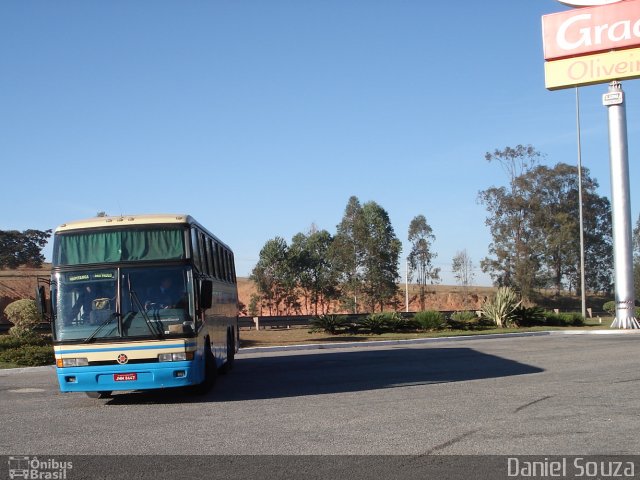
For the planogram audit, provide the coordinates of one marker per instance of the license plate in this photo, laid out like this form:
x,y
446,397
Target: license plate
x,y
125,377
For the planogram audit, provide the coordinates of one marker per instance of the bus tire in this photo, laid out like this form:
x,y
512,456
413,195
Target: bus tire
x,y
231,353
210,372
103,394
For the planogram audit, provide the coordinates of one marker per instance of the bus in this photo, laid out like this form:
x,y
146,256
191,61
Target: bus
x,y
141,302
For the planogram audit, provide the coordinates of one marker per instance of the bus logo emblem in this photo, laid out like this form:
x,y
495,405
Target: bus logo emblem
x,y
122,359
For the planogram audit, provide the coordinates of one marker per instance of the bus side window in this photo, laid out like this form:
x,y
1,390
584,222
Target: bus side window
x,y
216,261
203,253
222,266
233,269
210,259
195,249
226,263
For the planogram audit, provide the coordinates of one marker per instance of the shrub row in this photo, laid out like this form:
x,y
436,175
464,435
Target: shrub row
x,y
535,316
431,320
28,355
27,351
377,323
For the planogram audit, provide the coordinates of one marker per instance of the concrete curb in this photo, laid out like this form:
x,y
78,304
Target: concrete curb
x,y
383,343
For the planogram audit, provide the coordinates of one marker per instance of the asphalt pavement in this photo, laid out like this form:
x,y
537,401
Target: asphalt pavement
x,y
541,395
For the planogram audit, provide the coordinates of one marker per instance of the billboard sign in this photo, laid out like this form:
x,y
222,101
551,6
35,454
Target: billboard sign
x,y
587,3
592,69
590,30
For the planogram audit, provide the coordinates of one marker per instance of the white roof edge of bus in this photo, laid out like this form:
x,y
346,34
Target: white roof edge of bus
x,y
120,220
143,219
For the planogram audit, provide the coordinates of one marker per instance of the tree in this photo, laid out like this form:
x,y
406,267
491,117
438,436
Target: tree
x,y
22,248
513,246
273,278
556,219
313,270
420,257
381,253
462,268
535,229
359,264
347,253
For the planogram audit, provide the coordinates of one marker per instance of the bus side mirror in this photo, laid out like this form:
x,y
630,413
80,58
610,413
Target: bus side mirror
x,y
206,294
41,301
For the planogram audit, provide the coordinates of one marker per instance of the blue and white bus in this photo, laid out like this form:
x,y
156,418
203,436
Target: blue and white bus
x,y
141,302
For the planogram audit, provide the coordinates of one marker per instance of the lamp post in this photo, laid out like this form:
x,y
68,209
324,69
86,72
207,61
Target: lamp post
x,y
583,291
406,286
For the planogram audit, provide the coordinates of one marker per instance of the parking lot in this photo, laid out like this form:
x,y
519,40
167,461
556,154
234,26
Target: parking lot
x,y
542,395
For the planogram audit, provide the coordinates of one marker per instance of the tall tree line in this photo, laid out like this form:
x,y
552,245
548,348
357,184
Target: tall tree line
x,y
357,267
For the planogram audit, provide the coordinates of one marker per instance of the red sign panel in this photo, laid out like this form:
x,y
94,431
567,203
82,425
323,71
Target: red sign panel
x,y
592,29
125,377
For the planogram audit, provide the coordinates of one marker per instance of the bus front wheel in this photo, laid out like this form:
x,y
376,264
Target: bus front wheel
x,y
210,372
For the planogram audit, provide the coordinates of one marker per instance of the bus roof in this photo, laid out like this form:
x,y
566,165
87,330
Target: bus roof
x,y
133,220
128,220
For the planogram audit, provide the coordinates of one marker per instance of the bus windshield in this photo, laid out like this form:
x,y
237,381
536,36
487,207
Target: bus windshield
x,y
118,303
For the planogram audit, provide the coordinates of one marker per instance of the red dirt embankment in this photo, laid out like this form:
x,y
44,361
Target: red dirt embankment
x,y
438,297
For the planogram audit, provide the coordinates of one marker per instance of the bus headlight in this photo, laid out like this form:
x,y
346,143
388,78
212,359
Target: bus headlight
x,y
175,357
72,362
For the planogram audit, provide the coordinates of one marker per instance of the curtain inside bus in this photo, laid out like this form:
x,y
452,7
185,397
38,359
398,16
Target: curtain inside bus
x,y
118,246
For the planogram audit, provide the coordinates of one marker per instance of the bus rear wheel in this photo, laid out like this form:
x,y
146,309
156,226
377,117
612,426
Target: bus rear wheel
x,y
231,353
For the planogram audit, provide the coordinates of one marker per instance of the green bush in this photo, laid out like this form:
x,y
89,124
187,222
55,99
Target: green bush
x,y
397,323
500,309
430,320
9,341
610,307
24,316
28,355
529,316
375,323
563,319
331,324
463,321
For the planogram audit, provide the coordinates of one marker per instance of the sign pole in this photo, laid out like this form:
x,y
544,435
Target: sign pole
x,y
583,291
621,208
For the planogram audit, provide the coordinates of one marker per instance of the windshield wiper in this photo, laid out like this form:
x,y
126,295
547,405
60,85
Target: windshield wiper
x,y
156,329
103,324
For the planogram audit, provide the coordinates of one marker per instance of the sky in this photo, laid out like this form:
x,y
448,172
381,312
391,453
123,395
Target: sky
x,y
262,117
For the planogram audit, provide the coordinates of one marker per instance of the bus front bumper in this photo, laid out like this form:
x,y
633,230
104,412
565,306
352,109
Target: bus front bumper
x,y
141,376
